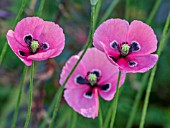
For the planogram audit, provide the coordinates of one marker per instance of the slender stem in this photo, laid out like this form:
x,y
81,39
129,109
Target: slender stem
x,y
74,120
97,10
41,8
109,11
4,49
108,117
63,86
146,101
100,118
145,76
19,97
50,110
115,101
127,9
137,100
153,12
30,96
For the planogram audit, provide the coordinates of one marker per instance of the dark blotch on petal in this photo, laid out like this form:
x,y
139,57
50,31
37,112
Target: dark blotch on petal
x,y
114,45
105,87
88,94
22,53
134,47
81,80
28,39
44,46
97,73
114,59
132,63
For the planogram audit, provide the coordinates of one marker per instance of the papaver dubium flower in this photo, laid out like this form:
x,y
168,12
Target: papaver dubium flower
x,y
128,46
94,75
36,39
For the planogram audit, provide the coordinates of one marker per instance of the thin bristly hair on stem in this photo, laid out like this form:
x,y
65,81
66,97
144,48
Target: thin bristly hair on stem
x,y
4,49
30,96
145,76
148,91
60,91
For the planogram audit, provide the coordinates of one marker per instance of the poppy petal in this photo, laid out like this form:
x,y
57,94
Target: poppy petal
x,y
144,35
111,33
28,26
18,49
76,98
138,63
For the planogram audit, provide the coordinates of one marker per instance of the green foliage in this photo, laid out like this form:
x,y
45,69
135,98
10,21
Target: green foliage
x,y
74,17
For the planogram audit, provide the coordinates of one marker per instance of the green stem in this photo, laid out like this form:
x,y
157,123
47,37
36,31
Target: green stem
x,y
19,97
74,120
98,6
145,76
146,101
4,49
50,110
153,12
41,8
100,118
109,11
127,9
30,96
63,86
115,101
137,100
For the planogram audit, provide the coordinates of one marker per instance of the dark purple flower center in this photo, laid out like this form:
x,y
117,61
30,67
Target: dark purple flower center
x,y
92,79
33,45
125,49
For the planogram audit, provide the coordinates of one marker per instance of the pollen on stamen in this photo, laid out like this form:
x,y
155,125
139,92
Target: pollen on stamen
x,y
125,49
92,78
34,46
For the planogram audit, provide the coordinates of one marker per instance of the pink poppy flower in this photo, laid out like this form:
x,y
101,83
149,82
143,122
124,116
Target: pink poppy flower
x,y
35,39
94,75
127,46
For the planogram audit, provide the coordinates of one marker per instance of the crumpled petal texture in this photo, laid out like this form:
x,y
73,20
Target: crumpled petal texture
x,y
122,32
74,93
43,32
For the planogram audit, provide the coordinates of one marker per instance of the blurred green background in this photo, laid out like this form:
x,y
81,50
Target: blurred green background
x,y
74,17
